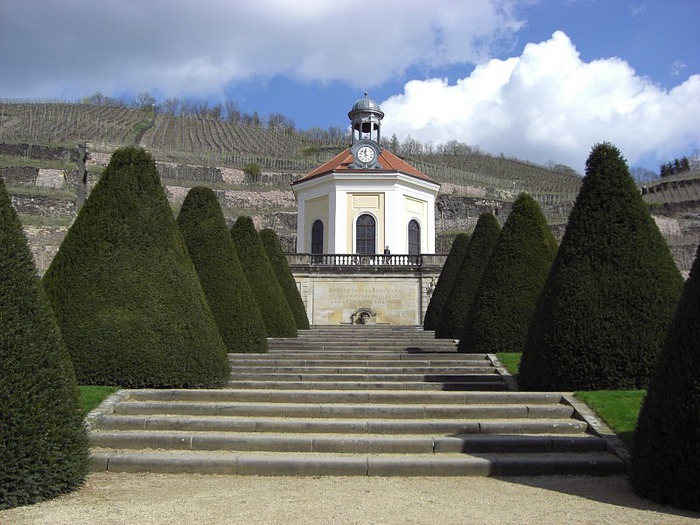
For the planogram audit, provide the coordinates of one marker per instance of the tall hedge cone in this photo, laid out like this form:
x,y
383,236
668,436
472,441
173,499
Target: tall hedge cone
x,y
277,315
466,283
513,279
442,290
229,295
125,292
608,300
666,450
43,442
273,249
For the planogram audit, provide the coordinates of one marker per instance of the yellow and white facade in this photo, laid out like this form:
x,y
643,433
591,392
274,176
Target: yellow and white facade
x,y
349,211
399,200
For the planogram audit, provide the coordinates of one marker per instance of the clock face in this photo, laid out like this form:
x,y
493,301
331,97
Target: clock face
x,y
365,154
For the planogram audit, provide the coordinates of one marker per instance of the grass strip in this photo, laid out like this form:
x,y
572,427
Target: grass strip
x,y
510,360
618,408
92,396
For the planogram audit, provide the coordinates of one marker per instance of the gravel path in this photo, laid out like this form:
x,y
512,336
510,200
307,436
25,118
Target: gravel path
x,y
191,499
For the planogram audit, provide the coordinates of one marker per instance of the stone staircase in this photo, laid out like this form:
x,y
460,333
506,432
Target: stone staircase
x,y
370,401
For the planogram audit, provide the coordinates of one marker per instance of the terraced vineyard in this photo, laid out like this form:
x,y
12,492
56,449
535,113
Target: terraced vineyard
x,y
62,122
39,162
215,142
212,141
549,187
675,189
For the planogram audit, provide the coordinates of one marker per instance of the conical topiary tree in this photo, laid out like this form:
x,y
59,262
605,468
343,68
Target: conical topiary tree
x,y
605,308
466,284
125,292
666,450
228,293
500,316
273,249
43,442
276,313
441,293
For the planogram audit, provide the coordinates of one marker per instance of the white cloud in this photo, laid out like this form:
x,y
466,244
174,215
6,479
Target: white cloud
x,y
179,47
549,105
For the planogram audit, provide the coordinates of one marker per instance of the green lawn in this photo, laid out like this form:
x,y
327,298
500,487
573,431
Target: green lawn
x,y
618,408
92,396
511,360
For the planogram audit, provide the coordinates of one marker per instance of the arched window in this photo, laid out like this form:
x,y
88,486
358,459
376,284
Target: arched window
x,y
317,237
365,235
413,238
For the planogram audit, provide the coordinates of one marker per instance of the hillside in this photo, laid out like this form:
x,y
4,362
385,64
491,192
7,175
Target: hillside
x,y
48,175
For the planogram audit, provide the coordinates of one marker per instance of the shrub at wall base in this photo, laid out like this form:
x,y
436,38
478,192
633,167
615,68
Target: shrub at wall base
x,y
280,265
230,298
442,290
125,292
513,279
466,284
43,442
276,313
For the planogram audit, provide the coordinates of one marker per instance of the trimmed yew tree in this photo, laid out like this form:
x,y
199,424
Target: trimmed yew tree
x,y
228,293
609,298
512,281
441,293
280,265
276,313
125,292
666,450
466,284
43,442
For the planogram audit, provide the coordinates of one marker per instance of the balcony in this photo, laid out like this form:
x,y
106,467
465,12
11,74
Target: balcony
x,y
370,260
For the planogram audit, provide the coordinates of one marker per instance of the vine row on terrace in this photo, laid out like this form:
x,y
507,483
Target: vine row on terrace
x,y
214,142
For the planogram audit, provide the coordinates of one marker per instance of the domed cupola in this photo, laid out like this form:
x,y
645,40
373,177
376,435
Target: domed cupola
x,y
365,117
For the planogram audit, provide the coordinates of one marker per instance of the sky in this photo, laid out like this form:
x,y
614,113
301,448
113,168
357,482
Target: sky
x,y
539,80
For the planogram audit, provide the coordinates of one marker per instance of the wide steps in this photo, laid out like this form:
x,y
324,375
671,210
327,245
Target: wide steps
x,y
346,444
364,370
405,465
384,378
398,356
345,396
369,385
264,361
369,401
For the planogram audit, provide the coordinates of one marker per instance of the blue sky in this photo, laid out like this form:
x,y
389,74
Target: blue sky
x,y
541,80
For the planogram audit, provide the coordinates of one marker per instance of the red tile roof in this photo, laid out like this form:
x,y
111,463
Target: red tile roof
x,y
341,164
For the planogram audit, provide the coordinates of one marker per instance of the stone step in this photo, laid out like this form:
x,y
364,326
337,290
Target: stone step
x,y
347,396
365,356
347,410
346,443
366,330
368,385
362,370
318,464
344,347
352,338
270,361
339,426
352,401
316,377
